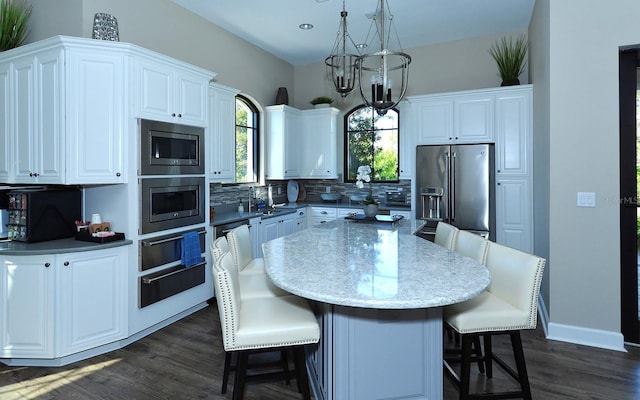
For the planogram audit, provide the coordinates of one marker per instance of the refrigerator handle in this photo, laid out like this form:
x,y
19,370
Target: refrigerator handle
x,y
452,188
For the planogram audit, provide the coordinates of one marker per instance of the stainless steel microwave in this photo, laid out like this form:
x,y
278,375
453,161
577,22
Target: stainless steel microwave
x,y
170,149
169,203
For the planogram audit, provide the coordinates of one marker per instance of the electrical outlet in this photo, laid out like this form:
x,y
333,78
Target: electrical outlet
x,y
586,199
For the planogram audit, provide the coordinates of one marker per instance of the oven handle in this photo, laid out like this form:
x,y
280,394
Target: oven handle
x,y
146,243
151,280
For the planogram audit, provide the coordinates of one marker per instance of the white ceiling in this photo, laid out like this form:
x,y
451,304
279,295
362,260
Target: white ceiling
x,y
273,25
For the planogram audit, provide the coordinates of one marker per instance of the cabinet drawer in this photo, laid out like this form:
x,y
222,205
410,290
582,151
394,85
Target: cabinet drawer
x,y
324,212
166,283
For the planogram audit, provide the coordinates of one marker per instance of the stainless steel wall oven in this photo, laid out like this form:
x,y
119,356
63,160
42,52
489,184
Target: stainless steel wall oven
x,y
170,149
171,202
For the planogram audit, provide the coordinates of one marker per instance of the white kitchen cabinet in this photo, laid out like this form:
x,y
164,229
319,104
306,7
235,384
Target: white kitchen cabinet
x,y
283,142
319,145
26,312
514,169
514,216
407,147
275,227
92,299
300,219
454,118
513,131
167,90
96,116
57,305
5,121
66,123
221,141
256,243
320,215
38,117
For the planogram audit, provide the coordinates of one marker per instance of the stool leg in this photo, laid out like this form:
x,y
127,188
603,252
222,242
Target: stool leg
x,y
465,367
241,375
284,359
301,372
488,355
225,373
518,353
477,351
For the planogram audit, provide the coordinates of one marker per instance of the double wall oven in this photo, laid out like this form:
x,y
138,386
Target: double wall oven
x,y
172,196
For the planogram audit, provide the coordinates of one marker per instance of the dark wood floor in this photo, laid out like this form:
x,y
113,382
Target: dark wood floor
x,y
184,361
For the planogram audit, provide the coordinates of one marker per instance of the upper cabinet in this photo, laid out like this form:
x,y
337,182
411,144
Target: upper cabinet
x,y
170,92
64,120
319,143
283,140
454,118
301,144
220,142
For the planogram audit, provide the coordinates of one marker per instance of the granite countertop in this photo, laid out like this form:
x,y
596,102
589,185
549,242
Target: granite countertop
x,y
69,245
226,217
372,265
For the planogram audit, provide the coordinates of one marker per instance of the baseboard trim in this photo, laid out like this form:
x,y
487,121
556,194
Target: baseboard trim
x,y
586,336
579,335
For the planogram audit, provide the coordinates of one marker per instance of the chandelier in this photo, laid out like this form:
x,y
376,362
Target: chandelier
x,y
341,65
383,74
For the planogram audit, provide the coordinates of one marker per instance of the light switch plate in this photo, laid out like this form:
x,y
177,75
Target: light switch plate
x,y
586,199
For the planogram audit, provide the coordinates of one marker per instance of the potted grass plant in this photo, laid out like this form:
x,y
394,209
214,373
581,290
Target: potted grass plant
x,y
321,101
14,15
510,57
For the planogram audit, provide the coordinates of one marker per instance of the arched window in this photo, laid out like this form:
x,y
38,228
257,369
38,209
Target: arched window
x,y
371,139
247,140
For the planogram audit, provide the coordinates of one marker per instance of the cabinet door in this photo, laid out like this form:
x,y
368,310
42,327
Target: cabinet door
x,y
292,145
191,98
96,117
154,93
269,229
256,243
222,161
407,147
319,143
5,123
473,118
92,299
27,307
38,119
301,219
513,130
514,216
288,225
434,121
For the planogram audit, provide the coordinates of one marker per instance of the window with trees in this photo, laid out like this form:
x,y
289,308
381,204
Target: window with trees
x,y
247,140
371,139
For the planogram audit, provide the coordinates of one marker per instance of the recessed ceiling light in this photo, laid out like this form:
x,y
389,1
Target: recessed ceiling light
x,y
305,27
361,45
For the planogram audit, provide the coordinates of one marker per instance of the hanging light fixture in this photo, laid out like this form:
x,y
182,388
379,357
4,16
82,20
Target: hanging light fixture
x,y
384,73
341,65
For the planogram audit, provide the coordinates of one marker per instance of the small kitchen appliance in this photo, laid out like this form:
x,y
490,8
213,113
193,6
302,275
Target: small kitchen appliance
x,y
43,214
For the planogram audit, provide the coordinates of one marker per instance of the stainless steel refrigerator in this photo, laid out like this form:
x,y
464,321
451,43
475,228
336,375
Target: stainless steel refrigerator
x,y
455,184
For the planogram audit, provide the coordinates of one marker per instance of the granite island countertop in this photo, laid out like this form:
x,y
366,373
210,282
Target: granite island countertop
x,y
372,265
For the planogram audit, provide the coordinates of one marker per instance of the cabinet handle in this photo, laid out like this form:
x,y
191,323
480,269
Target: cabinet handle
x,y
324,213
118,174
47,265
173,114
179,115
498,183
66,263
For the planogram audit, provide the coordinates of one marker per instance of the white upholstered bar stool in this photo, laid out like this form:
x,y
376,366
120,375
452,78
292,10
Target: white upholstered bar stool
x,y
254,282
263,324
471,245
445,235
239,239
509,305
251,286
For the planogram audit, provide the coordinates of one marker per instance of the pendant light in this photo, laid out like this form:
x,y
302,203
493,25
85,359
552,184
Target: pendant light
x,y
384,74
341,65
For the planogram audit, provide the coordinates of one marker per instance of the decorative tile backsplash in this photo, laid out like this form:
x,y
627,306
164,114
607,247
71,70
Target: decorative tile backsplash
x,y
227,194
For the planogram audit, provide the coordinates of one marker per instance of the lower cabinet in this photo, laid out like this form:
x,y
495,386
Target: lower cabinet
x,y
356,359
320,215
57,305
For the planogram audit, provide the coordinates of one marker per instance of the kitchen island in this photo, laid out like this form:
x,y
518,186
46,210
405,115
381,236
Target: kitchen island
x,y
378,291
